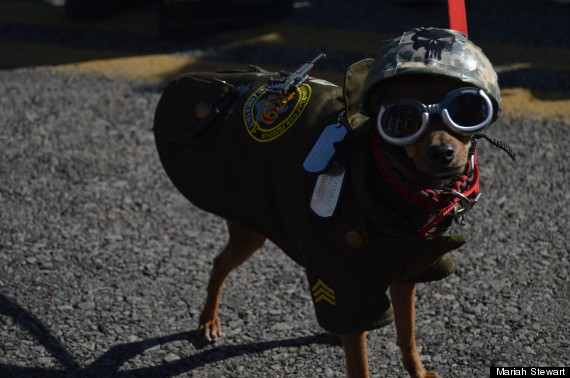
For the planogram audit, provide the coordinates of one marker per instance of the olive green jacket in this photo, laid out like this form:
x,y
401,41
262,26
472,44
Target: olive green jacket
x,y
246,165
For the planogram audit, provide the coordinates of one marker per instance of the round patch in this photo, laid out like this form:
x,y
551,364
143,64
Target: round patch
x,y
267,116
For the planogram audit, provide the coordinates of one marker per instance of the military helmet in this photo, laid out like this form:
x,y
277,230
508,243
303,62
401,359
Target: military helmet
x,y
436,52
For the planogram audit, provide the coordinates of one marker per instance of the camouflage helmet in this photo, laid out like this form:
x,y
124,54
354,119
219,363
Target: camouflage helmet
x,y
436,52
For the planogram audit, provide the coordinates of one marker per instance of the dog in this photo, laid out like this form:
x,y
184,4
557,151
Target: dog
x,y
358,184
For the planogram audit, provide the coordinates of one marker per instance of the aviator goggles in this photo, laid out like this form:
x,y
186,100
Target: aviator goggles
x,y
465,110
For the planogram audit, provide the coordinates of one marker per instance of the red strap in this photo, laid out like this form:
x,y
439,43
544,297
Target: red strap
x,y
437,219
470,193
457,15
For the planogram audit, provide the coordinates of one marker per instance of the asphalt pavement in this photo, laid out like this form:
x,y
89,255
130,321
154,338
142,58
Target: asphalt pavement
x,y
104,265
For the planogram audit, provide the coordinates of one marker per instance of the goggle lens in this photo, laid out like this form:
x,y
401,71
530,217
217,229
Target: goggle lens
x,y
468,109
402,121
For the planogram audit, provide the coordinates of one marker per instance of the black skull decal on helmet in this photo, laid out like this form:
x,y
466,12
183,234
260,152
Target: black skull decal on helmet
x,y
434,41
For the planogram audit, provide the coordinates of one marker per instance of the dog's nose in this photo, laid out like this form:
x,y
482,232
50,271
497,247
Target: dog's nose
x,y
441,153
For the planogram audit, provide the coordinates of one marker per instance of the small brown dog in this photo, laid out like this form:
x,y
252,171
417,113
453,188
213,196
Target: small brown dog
x,y
359,184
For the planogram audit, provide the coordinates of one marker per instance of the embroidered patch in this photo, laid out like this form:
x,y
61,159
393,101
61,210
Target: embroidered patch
x,y
322,292
267,116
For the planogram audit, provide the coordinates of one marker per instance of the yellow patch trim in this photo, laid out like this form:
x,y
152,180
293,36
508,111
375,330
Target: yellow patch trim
x,y
322,292
268,116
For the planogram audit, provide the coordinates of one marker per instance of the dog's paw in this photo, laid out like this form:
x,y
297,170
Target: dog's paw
x,y
210,330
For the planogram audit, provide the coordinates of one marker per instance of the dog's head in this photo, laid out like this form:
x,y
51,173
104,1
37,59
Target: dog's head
x,y
431,90
440,153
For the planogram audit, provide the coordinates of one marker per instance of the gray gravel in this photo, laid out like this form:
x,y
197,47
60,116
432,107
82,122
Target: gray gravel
x,y
103,265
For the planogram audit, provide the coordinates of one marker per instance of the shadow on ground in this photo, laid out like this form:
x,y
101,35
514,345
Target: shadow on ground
x,y
110,362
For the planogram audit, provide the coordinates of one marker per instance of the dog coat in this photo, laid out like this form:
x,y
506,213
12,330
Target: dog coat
x,y
235,149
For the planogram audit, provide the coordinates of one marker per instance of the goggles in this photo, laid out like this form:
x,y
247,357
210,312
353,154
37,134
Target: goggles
x,y
465,110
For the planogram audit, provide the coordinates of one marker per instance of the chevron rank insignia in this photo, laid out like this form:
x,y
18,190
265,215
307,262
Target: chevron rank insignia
x,y
322,292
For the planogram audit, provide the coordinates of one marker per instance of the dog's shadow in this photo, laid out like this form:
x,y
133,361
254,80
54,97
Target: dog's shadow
x,y
109,363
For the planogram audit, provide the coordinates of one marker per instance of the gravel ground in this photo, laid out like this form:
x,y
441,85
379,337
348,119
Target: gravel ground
x,y
103,265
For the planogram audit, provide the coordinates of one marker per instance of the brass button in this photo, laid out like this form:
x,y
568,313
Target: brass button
x,y
353,239
201,110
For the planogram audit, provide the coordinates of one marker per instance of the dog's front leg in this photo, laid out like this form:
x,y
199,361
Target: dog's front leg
x,y
403,297
356,354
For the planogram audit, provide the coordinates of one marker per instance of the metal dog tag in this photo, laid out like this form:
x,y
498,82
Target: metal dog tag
x,y
323,150
327,190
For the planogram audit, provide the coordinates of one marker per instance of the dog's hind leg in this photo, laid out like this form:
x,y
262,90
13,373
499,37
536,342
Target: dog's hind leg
x,y
241,245
403,296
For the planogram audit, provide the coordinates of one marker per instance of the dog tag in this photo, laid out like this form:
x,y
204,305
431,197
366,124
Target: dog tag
x,y
327,190
323,150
